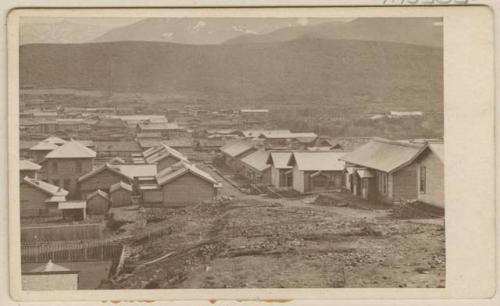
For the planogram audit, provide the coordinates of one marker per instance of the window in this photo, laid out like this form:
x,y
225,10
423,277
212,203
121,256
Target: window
x,y
423,179
78,166
54,166
383,183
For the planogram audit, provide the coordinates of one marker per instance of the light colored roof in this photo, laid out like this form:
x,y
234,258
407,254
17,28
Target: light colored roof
x,y
54,140
138,118
44,146
279,159
106,166
137,170
25,164
235,149
384,155
438,149
164,152
99,193
120,185
50,267
171,173
46,187
365,173
316,161
257,160
179,142
250,110
116,161
71,149
291,135
257,133
71,205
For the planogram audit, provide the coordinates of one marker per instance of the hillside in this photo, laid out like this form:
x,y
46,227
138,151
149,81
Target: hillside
x,y
418,31
59,32
304,70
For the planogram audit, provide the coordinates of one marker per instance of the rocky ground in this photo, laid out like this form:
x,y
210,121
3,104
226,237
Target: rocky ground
x,y
248,241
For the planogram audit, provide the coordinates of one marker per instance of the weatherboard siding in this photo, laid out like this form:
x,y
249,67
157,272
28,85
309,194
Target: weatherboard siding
x,y
404,184
67,171
102,180
97,205
121,197
434,188
33,202
187,189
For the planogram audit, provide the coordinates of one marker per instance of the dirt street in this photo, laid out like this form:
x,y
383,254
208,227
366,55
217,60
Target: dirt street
x,y
257,242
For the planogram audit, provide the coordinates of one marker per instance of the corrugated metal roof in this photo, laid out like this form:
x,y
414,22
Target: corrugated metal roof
x,y
384,155
279,159
257,160
71,149
316,161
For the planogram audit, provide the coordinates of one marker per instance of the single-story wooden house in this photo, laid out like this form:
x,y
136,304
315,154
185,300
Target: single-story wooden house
x,y
234,152
281,173
180,185
98,203
317,171
256,169
384,170
101,178
120,194
28,168
430,176
39,198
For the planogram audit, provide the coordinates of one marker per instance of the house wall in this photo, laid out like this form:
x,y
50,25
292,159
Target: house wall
x,y
187,189
97,205
434,189
28,173
66,281
404,184
67,175
33,202
121,197
102,180
151,197
275,177
298,179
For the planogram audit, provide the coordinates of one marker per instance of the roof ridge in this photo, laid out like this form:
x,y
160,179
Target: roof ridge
x,y
399,143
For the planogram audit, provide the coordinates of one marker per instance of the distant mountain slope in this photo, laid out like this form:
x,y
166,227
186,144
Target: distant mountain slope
x,y
198,31
418,31
59,33
305,69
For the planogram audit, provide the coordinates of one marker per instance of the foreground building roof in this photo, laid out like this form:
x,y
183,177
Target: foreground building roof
x,y
235,149
27,165
257,160
71,149
317,161
175,171
385,155
57,193
279,160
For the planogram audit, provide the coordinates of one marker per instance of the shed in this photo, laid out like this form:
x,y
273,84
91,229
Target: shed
x,y
98,203
73,210
120,194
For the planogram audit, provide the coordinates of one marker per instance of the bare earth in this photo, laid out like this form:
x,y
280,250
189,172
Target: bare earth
x,y
257,242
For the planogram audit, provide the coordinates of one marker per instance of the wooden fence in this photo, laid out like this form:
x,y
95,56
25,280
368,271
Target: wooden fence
x,y
90,231
71,251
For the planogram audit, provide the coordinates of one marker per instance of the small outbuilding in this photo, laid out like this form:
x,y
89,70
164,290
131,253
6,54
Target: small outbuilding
x,y
73,210
98,203
120,194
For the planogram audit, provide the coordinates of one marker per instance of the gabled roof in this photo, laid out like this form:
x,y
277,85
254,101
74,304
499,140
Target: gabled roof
x,y
317,161
258,133
50,267
99,193
116,161
28,165
279,160
235,149
385,155
54,140
49,189
71,149
171,173
137,170
44,146
165,151
120,185
106,166
257,160
438,149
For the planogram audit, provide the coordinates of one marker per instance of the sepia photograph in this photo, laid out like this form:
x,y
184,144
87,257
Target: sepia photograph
x,y
295,152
